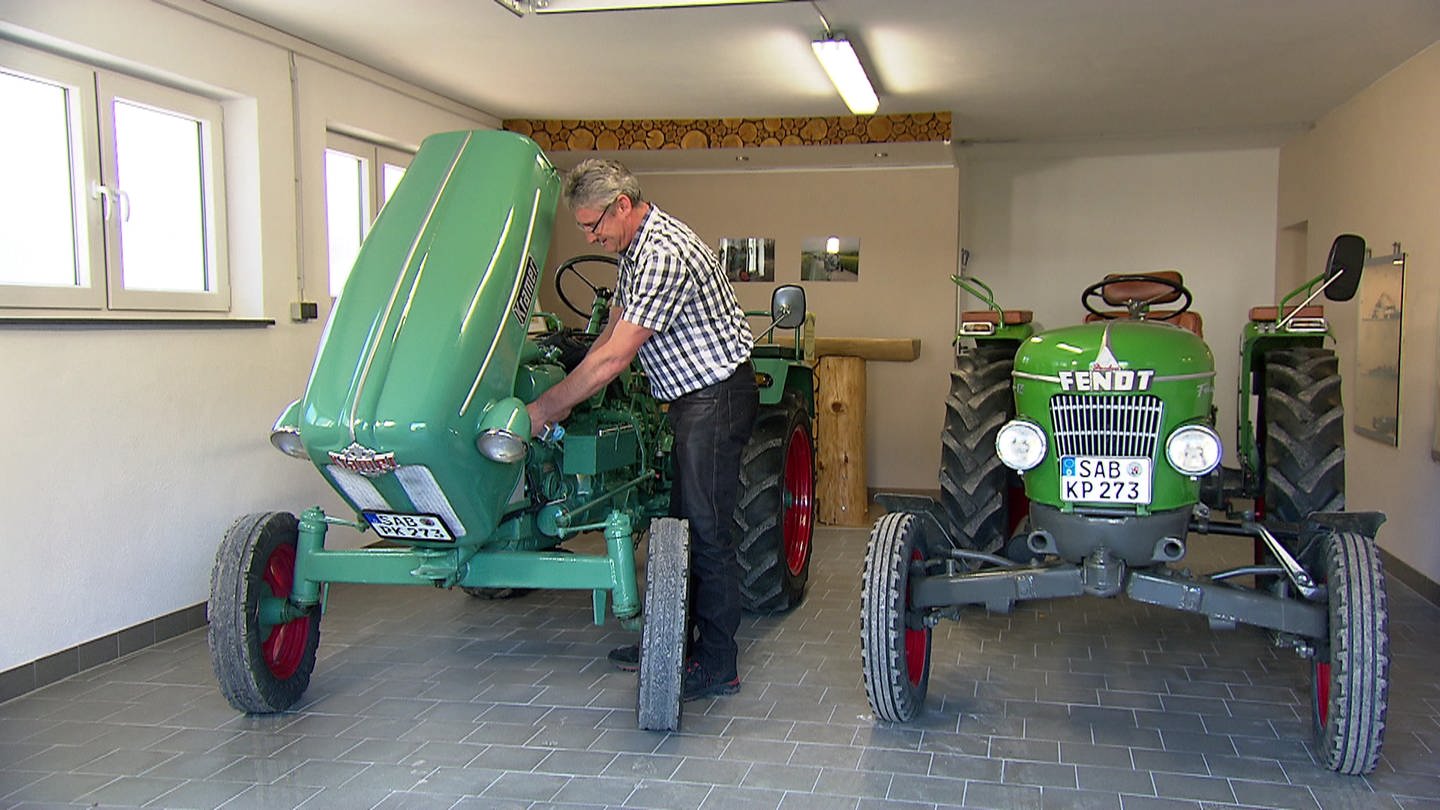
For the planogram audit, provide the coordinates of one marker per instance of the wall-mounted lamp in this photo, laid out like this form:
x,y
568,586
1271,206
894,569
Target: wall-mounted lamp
x,y
838,58
522,7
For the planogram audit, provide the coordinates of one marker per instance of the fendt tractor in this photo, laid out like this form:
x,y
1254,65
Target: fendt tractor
x,y
1081,460
415,413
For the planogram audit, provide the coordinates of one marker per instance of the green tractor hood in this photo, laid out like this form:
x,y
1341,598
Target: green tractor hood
x,y
408,372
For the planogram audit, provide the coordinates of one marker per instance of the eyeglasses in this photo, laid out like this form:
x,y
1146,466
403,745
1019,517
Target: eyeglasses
x,y
595,226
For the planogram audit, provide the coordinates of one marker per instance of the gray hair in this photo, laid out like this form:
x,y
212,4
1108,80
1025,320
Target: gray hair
x,y
597,182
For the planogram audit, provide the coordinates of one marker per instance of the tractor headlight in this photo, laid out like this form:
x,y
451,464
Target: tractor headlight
x,y
1193,450
287,441
504,446
504,431
1020,444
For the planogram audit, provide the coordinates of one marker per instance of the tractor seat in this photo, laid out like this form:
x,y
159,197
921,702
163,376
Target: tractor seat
x,y
1121,292
1117,294
1272,314
1189,320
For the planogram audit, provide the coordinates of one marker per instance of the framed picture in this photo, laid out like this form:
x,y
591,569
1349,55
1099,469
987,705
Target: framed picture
x,y
830,258
749,258
1377,359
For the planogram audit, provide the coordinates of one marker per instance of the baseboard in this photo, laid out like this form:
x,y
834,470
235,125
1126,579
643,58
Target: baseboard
x,y
58,666
1428,588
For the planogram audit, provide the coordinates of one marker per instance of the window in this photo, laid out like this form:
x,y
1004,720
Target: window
x,y
359,177
123,201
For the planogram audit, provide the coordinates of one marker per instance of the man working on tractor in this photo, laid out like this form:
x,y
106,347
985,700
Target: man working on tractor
x,y
674,308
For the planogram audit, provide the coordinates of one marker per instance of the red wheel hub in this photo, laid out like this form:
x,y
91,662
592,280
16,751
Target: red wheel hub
x,y
917,642
284,648
1321,676
799,516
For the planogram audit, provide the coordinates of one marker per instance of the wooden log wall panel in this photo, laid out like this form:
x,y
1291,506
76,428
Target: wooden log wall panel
x,y
731,133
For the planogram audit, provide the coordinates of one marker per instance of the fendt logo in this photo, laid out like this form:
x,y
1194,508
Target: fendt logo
x,y
1107,379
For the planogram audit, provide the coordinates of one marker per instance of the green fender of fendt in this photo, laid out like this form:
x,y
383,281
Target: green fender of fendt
x,y
425,345
1144,371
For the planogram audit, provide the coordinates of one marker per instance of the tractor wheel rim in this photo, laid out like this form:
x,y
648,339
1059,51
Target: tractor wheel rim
x,y
917,642
798,521
284,647
1321,676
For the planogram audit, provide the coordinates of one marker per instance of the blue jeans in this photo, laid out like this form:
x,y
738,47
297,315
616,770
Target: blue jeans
x,y
712,426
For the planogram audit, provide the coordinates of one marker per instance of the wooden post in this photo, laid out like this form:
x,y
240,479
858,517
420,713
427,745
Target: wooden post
x,y
840,402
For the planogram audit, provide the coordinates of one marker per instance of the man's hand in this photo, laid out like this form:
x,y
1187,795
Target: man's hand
x,y
541,414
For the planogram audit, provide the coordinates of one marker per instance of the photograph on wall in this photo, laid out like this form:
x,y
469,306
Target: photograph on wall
x,y
1377,410
749,258
830,258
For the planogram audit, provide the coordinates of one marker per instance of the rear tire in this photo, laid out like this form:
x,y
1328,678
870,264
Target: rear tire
x,y
662,638
775,517
1351,671
260,668
1304,438
894,655
974,485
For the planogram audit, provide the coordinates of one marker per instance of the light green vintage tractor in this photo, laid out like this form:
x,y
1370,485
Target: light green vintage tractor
x,y
1083,459
415,414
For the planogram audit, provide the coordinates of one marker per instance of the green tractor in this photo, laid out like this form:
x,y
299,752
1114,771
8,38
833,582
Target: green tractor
x,y
1081,460
415,414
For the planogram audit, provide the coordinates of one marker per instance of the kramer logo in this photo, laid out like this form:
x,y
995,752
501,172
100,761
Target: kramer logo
x,y
360,459
1107,379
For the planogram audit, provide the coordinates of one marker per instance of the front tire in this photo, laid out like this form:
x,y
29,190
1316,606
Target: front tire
x,y
1351,671
775,517
1304,438
974,485
261,668
894,642
662,638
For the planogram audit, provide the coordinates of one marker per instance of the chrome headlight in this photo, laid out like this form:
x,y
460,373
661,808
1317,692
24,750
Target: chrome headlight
x,y
1020,445
499,444
287,440
504,431
1193,450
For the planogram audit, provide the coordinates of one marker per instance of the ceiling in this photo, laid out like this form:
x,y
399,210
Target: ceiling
x,y
1029,71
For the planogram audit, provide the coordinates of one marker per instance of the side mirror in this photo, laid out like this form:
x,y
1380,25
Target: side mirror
x,y
787,307
1342,269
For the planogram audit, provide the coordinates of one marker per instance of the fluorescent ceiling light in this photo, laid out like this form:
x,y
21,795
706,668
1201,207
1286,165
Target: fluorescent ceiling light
x,y
839,60
521,7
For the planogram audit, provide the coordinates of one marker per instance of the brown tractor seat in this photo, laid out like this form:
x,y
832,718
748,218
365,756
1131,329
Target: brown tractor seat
x,y
1010,317
1121,292
1188,320
1272,314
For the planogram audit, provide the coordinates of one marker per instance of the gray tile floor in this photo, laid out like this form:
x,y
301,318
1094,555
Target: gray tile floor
x,y
430,699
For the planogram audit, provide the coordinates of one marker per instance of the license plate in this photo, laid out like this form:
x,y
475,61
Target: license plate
x,y
396,526
1105,479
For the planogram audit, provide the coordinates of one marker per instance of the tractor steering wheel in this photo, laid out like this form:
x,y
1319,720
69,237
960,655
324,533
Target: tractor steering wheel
x,y
1134,306
599,292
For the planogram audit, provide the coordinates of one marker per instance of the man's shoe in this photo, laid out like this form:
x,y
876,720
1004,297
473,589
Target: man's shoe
x,y
627,658
701,684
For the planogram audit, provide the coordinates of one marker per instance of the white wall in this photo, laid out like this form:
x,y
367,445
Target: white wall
x,y
1042,227
1371,167
128,451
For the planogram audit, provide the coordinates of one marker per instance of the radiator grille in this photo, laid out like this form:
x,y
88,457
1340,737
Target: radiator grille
x,y
1089,425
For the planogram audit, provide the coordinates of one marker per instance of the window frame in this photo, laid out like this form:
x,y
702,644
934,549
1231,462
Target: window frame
x,y
208,113
78,82
375,156
90,93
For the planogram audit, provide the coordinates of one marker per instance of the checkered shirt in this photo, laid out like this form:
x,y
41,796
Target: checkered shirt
x,y
671,282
